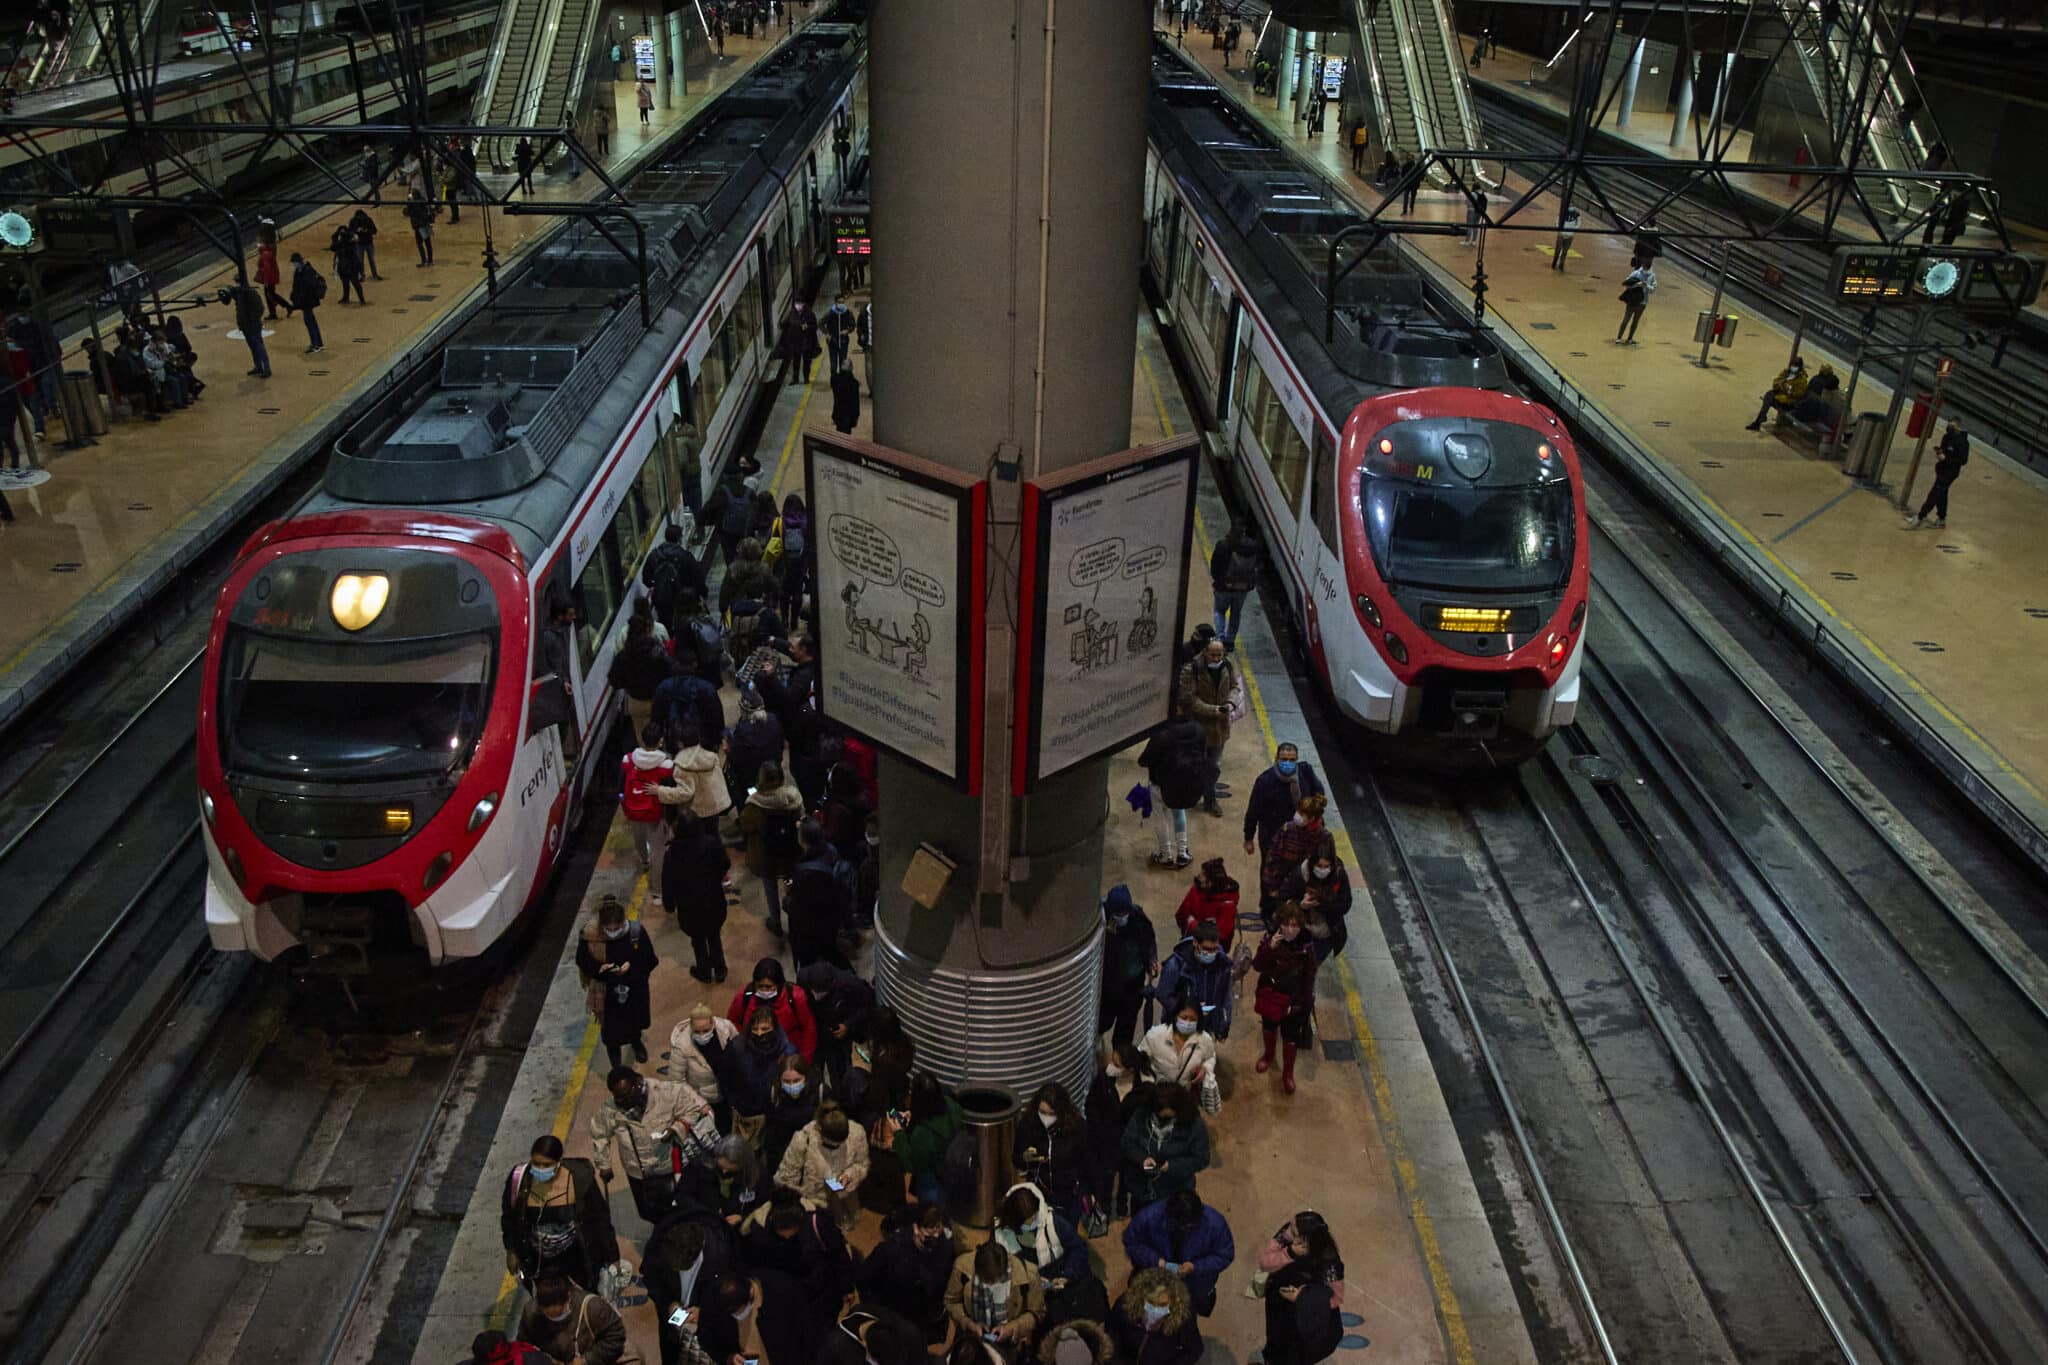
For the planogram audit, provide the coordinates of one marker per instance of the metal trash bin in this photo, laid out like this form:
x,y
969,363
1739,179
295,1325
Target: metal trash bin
x,y
1859,445
991,1113
81,397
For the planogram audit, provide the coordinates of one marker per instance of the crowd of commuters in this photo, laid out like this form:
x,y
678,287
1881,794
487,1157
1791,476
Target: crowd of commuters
x,y
787,1109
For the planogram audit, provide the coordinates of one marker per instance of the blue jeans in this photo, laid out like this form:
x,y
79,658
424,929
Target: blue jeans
x,y
312,327
1229,614
1169,825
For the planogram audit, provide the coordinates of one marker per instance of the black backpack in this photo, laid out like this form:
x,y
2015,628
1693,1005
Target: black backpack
x,y
664,576
779,838
738,517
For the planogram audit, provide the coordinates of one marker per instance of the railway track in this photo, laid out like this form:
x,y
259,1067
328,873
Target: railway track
x,y
2005,399
1770,1072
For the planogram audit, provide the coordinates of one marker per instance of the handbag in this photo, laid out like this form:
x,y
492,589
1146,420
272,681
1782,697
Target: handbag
x,y
1094,1218
1212,1094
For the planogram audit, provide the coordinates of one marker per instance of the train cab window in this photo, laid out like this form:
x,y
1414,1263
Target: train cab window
x,y
1322,491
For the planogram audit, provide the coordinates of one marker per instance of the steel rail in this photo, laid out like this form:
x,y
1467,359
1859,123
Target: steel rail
x,y
1497,1078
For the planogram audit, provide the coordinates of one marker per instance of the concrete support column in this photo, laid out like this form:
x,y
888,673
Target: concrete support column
x,y
1629,76
657,29
1026,220
678,52
1686,62
1306,79
1283,80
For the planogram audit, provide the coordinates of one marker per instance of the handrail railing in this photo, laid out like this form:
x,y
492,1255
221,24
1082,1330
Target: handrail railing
x,y
1460,92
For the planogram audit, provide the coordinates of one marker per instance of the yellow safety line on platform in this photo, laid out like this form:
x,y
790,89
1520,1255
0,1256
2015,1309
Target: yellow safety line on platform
x,y
1919,689
796,426
565,1109
1456,1336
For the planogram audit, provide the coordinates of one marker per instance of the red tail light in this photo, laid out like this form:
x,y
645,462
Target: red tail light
x,y
1557,649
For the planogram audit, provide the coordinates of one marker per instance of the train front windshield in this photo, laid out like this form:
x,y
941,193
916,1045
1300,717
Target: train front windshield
x,y
1512,539
309,710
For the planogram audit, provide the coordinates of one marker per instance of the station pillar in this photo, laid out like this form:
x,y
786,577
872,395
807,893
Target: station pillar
x,y
1629,76
1283,80
657,31
1008,152
1686,62
1305,82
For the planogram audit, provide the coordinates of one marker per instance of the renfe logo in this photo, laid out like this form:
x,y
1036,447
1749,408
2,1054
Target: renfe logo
x,y
542,775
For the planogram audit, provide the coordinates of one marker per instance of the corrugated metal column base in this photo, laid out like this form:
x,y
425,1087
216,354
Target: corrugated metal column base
x,y
1024,1025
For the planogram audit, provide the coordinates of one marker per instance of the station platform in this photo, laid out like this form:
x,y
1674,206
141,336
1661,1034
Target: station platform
x,y
98,530
1425,1280
1940,629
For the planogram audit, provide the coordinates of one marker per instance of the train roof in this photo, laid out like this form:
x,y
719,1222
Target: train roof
x,y
513,417
1273,217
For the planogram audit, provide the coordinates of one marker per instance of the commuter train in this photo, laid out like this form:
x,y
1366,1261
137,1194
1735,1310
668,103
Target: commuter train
x,y
400,712
323,88
1427,522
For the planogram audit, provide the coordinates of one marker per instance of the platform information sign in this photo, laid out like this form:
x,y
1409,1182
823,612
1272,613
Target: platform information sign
x,y
1105,583
898,543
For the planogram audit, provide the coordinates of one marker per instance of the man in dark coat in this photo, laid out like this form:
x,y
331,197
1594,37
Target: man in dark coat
x,y
1182,1235
766,1311
685,1255
845,401
1276,794
1233,573
1178,766
908,1270
1130,960
307,291
1954,453
668,571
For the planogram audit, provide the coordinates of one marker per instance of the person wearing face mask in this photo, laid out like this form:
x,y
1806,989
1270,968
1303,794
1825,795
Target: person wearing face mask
x,y
1051,1149
920,1144
693,874
769,821
1304,1292
1179,1051
1276,796
1185,1238
1200,971
753,1071
805,1245
1176,762
685,1255
908,1270
758,1317
840,1004
995,1297
769,989
572,1324
1322,886
1048,1242
792,1104
1165,1146
1292,845
1208,689
1211,896
1118,1091
1154,1324
658,1127
616,958
730,1186
1286,998
697,1048
1130,959
825,1163
554,1217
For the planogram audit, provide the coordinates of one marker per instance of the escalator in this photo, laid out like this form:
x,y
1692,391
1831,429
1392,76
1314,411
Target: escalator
x,y
1418,79
1856,55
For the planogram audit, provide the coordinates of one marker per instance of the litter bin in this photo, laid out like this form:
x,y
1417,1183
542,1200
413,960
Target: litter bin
x,y
81,397
1859,447
991,1113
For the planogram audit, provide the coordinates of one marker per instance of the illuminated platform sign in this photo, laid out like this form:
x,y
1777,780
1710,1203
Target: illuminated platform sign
x,y
850,235
1880,275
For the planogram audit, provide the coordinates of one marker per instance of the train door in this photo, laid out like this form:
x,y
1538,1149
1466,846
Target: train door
x,y
1320,548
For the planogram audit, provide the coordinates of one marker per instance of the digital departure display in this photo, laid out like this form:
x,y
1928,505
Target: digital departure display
x,y
1874,275
850,236
1472,620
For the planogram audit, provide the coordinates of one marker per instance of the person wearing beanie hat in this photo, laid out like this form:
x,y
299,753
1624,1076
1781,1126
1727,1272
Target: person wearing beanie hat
x,y
1080,1342
1130,961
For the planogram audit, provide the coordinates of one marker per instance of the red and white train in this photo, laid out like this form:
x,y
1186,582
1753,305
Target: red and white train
x,y
405,690
1428,523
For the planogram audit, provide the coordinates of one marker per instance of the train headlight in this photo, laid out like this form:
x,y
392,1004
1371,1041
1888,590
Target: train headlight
x,y
358,599
1396,648
398,818
206,808
481,815
1370,610
436,870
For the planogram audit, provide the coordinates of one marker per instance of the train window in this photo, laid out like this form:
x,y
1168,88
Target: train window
x,y
710,385
654,503
629,524
597,597
1322,491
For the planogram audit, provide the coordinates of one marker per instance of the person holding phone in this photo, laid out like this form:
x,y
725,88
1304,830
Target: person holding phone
x,y
571,1324
684,1257
826,1162
1165,1146
555,1217
757,1319
1052,1149
997,1298
908,1271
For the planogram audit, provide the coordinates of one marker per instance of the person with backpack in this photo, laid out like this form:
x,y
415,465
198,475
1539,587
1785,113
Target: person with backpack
x,y
420,211
640,772
747,578
554,1217
1233,573
820,900
638,670
308,289
1635,297
348,261
248,306
922,1138
756,739
693,875
572,1324
495,1348
1177,766
771,990
667,572
616,958
769,823
1953,453
1199,969
1304,1292
696,785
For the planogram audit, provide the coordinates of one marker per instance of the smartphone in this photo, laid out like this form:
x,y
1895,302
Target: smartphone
x,y
681,1317
833,1185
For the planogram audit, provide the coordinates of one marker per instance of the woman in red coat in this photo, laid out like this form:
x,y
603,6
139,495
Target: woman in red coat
x,y
1212,896
1290,847
1286,999
770,990
267,276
